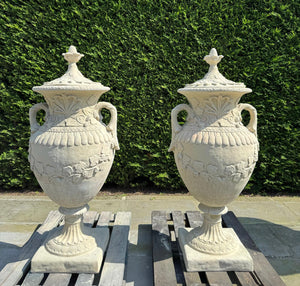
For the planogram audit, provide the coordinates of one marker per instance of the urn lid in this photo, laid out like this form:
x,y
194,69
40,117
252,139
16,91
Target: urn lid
x,y
73,79
214,80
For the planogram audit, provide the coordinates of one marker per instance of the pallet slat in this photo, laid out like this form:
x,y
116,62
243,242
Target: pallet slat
x,y
32,279
191,278
263,275
245,278
12,273
215,278
87,279
104,219
164,271
194,218
88,219
84,279
114,266
58,279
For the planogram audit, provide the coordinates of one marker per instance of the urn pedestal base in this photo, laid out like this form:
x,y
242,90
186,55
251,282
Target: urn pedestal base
x,y
238,260
89,262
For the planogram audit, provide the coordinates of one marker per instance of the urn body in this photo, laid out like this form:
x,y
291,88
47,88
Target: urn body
x,y
214,152
72,152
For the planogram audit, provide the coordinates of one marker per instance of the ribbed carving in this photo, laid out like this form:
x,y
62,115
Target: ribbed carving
x,y
71,137
210,237
219,137
70,240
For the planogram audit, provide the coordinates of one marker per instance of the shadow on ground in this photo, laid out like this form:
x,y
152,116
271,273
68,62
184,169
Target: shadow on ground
x,y
280,244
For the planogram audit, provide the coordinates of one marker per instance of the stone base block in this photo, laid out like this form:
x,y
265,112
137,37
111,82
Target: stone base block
x,y
239,260
89,262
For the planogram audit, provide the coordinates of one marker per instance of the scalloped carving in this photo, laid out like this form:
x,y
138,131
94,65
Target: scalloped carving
x,y
71,137
216,137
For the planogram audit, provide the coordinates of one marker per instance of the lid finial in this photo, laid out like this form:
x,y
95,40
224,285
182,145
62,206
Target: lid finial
x,y
72,56
213,79
213,58
73,79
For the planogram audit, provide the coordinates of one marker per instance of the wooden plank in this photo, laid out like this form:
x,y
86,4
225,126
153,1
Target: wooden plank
x,y
245,278
87,279
194,218
33,279
104,219
191,278
13,272
114,266
178,221
90,217
164,272
218,278
263,269
58,279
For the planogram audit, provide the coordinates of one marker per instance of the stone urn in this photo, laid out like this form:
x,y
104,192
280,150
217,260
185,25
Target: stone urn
x,y
215,155
71,155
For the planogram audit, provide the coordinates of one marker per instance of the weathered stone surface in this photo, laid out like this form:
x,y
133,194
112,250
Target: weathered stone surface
x,y
215,155
71,155
90,262
239,260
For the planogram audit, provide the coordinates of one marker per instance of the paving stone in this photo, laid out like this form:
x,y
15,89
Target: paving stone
x,y
295,207
266,237
268,210
14,238
288,269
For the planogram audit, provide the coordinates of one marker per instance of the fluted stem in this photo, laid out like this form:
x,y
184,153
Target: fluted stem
x,y
210,237
71,239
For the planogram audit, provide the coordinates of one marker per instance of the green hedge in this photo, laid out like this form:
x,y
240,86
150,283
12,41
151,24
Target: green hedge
x,y
145,50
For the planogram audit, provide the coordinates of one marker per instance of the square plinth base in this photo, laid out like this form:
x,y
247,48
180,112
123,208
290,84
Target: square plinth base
x,y
90,262
239,260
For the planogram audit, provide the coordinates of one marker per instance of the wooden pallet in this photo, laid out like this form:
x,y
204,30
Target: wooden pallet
x,y
168,261
112,269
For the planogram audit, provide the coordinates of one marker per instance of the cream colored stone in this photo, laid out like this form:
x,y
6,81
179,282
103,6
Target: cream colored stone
x,y
215,153
87,262
71,154
239,260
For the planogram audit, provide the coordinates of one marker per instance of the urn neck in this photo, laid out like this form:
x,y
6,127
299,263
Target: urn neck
x,y
69,104
218,109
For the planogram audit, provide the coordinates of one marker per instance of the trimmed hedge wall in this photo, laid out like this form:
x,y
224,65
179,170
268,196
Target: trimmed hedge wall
x,y
145,50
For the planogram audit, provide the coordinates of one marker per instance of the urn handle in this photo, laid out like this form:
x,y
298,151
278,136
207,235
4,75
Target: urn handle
x,y
252,126
34,126
112,125
176,127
